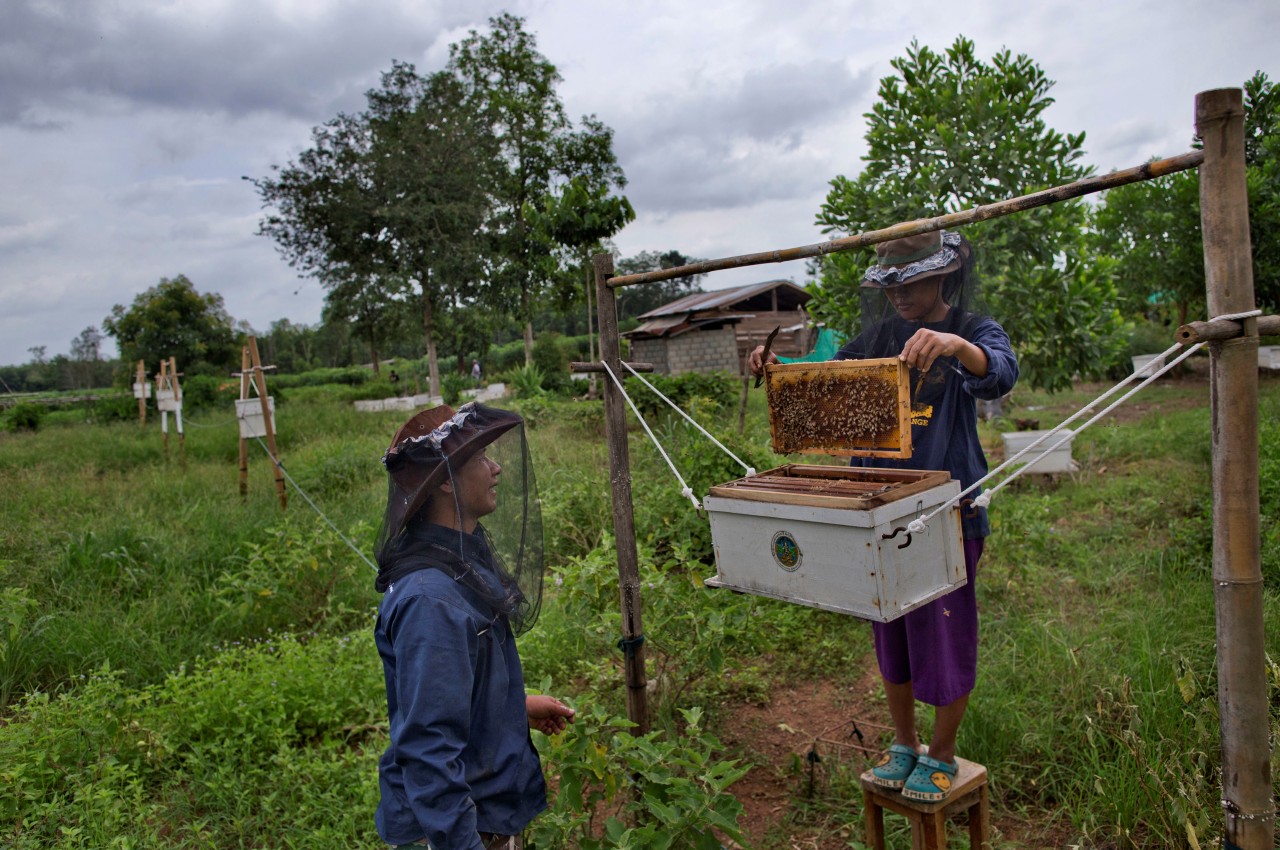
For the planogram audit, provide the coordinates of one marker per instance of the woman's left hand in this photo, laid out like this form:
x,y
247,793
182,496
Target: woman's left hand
x,y
547,714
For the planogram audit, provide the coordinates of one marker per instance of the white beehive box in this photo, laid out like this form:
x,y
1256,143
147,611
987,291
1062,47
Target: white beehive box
x,y
814,543
1058,460
249,412
1269,357
1146,365
167,400
142,390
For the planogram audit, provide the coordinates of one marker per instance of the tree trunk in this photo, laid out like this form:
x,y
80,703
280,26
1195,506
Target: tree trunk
x,y
528,327
428,315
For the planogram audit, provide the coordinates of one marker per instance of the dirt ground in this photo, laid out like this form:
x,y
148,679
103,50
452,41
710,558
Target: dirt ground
x,y
819,715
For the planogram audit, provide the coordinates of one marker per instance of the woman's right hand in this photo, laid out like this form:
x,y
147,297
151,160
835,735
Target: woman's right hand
x,y
756,361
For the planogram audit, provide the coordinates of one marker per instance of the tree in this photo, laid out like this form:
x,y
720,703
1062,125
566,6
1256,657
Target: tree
x,y
172,319
950,132
1152,229
393,197
85,355
540,153
636,300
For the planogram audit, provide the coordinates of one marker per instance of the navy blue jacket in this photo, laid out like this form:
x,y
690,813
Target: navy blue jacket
x,y
461,760
944,418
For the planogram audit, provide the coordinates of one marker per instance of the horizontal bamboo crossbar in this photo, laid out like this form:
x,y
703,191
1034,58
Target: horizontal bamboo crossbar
x,y
1087,186
1225,329
580,367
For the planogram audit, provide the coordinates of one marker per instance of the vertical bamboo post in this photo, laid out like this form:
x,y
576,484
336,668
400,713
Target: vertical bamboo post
x,y
261,384
244,445
624,526
164,414
141,383
177,413
1237,574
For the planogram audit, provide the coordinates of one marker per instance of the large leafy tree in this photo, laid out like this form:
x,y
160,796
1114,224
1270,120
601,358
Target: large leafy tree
x,y
636,300
949,132
173,319
541,155
1152,229
390,200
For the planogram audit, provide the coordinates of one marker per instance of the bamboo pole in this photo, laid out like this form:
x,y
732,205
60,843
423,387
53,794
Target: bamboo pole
x,y
244,445
1194,332
261,383
624,528
1249,813
1087,186
596,368
141,384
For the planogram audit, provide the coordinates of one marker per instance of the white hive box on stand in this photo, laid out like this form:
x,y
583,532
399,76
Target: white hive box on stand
x,y
834,537
1058,460
249,412
167,400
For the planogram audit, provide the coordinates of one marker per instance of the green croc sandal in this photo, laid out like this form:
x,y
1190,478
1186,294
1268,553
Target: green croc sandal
x,y
930,781
895,766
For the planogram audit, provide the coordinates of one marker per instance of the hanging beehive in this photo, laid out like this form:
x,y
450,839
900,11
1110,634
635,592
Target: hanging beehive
x,y
844,408
835,537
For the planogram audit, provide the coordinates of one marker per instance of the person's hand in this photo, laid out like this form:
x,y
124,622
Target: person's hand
x,y
547,714
756,361
926,346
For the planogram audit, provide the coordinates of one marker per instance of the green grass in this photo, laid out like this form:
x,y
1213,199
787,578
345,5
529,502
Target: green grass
x,y
200,671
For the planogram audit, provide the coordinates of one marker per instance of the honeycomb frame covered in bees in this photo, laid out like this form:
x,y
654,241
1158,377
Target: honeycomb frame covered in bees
x,y
845,408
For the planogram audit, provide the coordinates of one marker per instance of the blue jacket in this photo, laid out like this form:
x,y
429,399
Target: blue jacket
x,y
944,418
461,760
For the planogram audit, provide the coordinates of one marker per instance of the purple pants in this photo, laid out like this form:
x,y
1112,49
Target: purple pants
x,y
935,647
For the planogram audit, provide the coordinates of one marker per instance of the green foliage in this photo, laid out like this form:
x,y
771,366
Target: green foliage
x,y
527,383
552,358
172,319
950,132
25,417
654,792
349,375
451,386
711,392
208,392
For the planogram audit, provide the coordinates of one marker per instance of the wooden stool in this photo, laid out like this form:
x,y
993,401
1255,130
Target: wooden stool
x,y
929,820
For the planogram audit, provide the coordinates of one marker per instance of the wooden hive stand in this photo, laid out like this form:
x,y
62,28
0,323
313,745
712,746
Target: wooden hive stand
x,y
929,820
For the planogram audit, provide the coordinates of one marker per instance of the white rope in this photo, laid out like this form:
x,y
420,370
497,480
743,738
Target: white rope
x,y
280,465
918,525
751,470
685,489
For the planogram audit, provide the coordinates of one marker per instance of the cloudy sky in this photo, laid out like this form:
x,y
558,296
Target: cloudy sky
x,y
126,125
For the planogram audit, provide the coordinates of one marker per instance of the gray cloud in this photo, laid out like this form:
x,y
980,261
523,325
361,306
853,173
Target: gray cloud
x,y
58,53
743,142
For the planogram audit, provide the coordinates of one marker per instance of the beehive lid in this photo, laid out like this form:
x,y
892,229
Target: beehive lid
x,y
850,487
845,408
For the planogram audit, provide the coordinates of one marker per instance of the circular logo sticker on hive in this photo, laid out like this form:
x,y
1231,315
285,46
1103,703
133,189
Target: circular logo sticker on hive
x,y
786,551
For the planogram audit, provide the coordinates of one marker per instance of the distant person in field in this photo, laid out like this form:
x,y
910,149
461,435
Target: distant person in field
x,y
461,771
919,304
475,372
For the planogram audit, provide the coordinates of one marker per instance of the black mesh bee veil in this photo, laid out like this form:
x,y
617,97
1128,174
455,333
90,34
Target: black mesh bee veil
x,y
462,498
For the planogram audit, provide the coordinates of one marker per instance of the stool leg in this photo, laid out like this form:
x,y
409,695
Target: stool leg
x,y
935,830
979,821
874,817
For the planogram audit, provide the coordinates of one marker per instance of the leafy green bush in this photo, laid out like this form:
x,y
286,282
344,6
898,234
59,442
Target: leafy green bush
x,y
350,375
654,792
25,417
208,392
451,387
717,391
527,382
552,359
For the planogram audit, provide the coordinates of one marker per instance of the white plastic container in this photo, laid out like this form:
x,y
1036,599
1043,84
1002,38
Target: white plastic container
x,y
167,401
1147,364
249,412
1058,460
843,559
142,390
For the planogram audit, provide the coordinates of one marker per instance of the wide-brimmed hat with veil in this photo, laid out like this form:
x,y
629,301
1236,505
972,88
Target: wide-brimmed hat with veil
x,y
426,453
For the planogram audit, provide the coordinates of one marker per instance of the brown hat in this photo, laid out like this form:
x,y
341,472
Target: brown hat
x,y
432,442
912,258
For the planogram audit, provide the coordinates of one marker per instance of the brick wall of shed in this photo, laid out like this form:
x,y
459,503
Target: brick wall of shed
x,y
703,351
650,351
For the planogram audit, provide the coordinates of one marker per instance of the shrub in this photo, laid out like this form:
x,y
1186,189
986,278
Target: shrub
x,y
526,383
25,417
552,359
208,392
718,390
451,386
